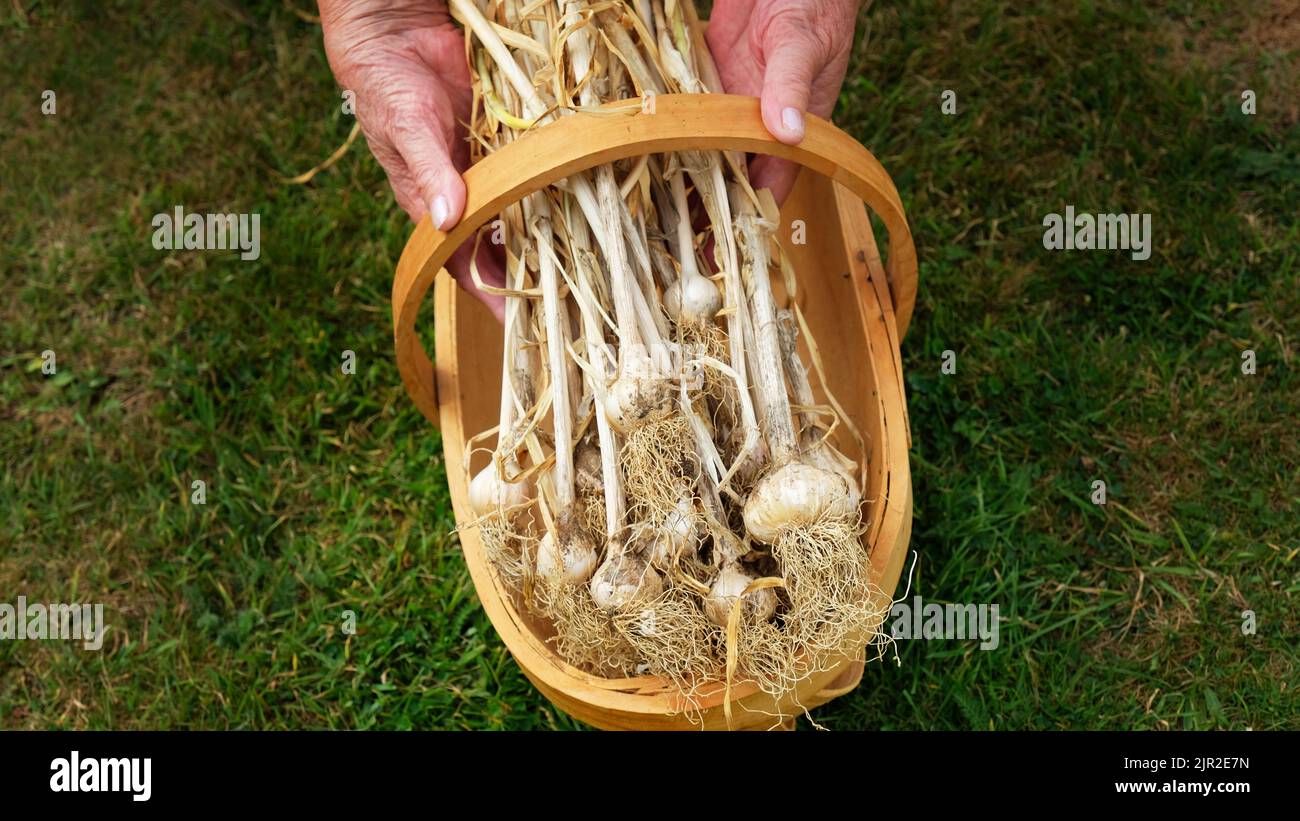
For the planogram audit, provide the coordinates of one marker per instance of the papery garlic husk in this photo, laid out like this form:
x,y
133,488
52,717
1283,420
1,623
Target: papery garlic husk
x,y
489,493
566,555
728,586
642,388
692,300
587,469
795,495
624,579
828,458
676,534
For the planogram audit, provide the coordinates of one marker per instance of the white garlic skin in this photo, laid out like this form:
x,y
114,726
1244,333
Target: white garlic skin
x,y
692,300
622,580
828,458
642,387
588,474
675,535
489,493
728,585
572,562
797,494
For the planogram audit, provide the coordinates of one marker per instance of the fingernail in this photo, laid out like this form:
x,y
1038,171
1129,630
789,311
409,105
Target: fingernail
x,y
792,120
438,212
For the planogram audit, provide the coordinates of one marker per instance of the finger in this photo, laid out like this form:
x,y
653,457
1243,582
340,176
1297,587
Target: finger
x,y
427,156
491,268
400,180
407,194
791,63
775,174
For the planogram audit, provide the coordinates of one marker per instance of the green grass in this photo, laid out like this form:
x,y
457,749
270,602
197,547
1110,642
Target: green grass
x,y
326,492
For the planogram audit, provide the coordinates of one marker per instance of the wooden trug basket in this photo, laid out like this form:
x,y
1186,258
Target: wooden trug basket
x,y
857,310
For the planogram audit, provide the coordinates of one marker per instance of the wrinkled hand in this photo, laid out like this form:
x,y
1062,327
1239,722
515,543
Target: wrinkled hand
x,y
792,54
405,61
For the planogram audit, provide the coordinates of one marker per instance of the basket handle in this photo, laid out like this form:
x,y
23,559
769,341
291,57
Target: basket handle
x,y
570,144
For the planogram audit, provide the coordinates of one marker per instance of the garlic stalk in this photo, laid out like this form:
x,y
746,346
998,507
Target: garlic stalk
x,y
640,388
565,552
496,487
812,441
692,300
793,493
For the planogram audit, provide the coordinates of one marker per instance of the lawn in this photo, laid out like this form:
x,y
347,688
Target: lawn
x,y
326,491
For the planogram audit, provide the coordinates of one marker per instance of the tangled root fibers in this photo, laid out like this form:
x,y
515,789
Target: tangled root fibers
x,y
591,512
659,466
673,639
586,636
765,656
834,608
504,549
709,340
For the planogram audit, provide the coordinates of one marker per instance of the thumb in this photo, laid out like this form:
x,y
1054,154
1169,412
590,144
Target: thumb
x,y
442,190
791,63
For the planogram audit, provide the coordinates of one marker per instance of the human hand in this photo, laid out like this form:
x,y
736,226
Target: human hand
x,y
792,54
405,62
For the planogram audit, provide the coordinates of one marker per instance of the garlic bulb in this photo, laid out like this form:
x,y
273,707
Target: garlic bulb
x,y
489,493
830,459
692,299
641,389
623,579
572,562
587,468
728,586
795,495
676,535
